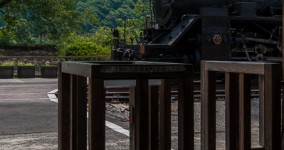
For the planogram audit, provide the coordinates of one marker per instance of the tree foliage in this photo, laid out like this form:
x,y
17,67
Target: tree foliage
x,y
41,22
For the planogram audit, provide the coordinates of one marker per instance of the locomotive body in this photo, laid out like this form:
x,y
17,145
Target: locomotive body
x,y
192,30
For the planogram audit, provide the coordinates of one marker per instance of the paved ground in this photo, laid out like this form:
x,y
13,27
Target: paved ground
x,y
28,119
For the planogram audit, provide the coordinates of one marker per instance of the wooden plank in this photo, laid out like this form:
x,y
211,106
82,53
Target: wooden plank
x,y
132,117
96,109
236,67
165,115
82,113
231,111
77,68
141,114
185,113
74,112
64,121
244,112
272,107
208,109
282,141
154,118
261,109
282,79
258,148
79,112
282,113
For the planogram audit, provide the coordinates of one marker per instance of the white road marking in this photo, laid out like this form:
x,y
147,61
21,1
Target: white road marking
x,y
112,126
51,96
117,128
53,91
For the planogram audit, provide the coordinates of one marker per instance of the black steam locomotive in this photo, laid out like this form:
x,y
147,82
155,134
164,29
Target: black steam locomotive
x,y
192,30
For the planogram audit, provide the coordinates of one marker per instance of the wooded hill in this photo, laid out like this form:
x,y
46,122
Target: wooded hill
x,y
40,22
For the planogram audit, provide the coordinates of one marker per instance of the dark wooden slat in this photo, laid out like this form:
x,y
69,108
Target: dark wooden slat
x,y
132,117
272,107
96,109
261,110
258,148
74,112
282,80
185,113
232,111
236,67
244,112
165,115
64,121
208,109
79,113
282,113
82,112
154,118
141,114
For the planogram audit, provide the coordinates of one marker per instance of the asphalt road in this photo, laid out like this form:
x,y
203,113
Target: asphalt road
x,y
28,119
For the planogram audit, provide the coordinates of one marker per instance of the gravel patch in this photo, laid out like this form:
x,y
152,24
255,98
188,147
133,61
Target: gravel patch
x,y
35,141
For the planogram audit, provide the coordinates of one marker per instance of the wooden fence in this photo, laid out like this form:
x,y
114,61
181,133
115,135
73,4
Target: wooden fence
x,y
150,114
145,132
238,104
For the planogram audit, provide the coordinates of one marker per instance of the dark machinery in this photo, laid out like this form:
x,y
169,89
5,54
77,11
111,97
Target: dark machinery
x,y
192,30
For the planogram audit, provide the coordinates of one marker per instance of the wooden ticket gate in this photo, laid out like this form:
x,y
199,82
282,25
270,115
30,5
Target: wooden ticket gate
x,y
238,108
75,129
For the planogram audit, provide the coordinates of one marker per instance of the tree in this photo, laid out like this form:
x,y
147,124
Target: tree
x,y
41,22
4,2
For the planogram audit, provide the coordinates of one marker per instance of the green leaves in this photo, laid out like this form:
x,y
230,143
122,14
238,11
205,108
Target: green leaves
x,y
40,22
83,25
88,45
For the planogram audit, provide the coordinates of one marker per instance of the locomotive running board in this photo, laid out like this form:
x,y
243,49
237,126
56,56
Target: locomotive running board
x,y
171,37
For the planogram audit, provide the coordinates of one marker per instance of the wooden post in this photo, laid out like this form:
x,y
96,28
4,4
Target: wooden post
x,y
232,111
165,115
64,121
141,114
208,109
261,88
282,75
185,113
154,118
272,107
79,112
244,112
96,109
132,117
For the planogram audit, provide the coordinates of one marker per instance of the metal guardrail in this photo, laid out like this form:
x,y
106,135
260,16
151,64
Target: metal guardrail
x,y
238,104
146,105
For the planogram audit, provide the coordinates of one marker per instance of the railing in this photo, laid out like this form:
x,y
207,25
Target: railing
x,y
238,104
150,125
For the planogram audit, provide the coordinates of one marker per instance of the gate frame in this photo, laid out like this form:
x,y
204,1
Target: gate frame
x,y
72,106
236,77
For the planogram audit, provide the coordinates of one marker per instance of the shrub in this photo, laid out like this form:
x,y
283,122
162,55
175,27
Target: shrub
x,y
86,49
8,63
20,63
97,44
